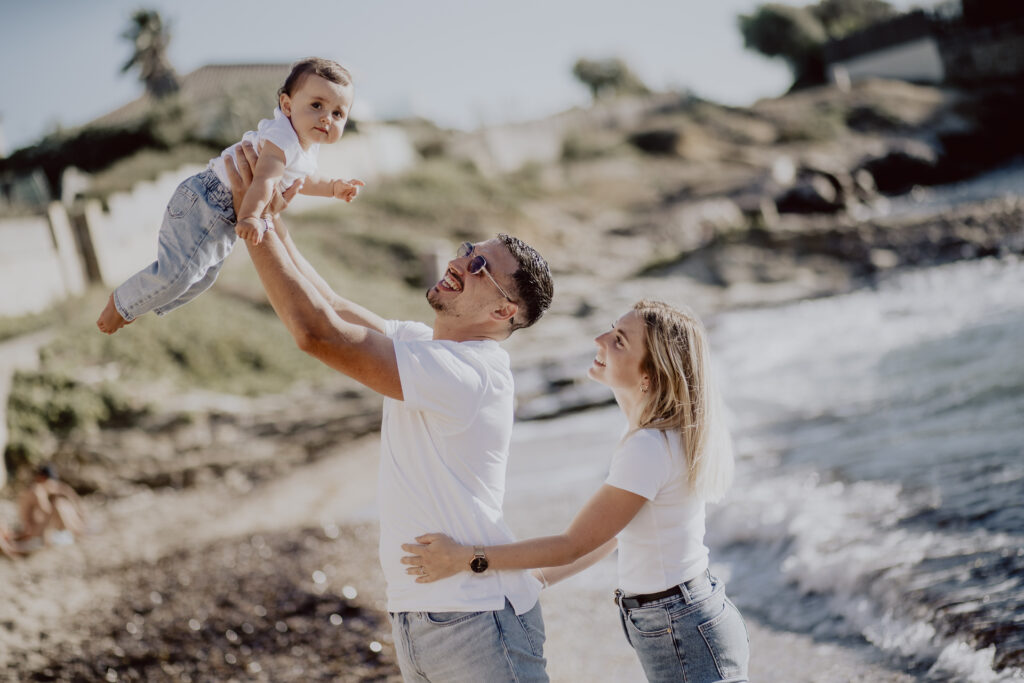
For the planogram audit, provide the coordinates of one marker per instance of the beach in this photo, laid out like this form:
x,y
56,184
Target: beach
x,y
67,604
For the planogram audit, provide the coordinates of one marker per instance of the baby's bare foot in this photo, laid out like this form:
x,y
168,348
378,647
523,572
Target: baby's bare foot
x,y
110,321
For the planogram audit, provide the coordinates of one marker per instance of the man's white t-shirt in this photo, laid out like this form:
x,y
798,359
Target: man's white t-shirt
x,y
663,545
444,454
298,163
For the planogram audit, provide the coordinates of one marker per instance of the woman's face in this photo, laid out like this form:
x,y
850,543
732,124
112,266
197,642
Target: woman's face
x,y
620,351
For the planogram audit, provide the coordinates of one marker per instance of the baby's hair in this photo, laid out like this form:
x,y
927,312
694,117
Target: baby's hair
x,y
315,66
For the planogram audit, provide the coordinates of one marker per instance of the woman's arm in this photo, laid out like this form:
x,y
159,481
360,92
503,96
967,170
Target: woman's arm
x,y
606,513
549,576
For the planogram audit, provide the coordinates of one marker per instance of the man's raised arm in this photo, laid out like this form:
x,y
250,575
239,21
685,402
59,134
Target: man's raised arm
x,y
355,349
348,310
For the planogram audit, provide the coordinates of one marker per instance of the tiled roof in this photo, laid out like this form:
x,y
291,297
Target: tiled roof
x,y
205,85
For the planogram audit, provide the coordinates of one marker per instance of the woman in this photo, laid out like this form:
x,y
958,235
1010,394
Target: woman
x,y
674,457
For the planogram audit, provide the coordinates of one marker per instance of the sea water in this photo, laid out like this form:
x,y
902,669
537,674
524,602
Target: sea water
x,y
880,487
879,493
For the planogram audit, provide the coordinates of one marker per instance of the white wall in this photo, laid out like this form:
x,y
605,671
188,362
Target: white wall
x,y
377,150
125,237
918,61
39,263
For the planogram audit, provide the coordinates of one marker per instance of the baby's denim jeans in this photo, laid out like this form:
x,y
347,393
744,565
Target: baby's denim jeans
x,y
697,636
197,234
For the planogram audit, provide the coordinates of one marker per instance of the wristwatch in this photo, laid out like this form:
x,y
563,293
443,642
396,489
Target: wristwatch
x,y
479,562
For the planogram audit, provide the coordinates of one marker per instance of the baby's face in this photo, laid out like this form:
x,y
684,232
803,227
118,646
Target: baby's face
x,y
318,110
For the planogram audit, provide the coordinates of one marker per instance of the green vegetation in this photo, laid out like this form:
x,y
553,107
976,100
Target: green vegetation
x,y
97,148
218,342
150,37
17,325
439,200
581,145
45,407
605,77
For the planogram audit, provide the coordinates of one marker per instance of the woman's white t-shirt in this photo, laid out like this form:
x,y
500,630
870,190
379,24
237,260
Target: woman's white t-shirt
x,y
664,544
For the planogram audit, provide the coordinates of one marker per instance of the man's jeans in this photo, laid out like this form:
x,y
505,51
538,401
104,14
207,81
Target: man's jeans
x,y
470,647
197,234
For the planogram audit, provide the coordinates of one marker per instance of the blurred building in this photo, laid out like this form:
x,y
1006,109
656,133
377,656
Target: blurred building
x,y
958,42
220,99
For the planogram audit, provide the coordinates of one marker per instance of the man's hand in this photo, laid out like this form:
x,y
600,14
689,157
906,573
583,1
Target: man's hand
x,y
346,190
240,176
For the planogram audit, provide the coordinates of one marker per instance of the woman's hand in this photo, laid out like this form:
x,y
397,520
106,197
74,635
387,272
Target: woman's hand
x,y
437,557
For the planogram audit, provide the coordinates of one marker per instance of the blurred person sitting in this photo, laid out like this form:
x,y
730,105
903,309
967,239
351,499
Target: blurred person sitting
x,y
49,504
8,546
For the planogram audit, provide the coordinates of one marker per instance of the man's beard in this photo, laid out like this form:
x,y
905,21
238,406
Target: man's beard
x,y
434,301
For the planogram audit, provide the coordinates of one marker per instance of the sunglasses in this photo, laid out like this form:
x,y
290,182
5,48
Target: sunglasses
x,y
478,264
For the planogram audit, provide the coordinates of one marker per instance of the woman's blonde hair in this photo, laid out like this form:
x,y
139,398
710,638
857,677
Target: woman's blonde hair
x,y
681,396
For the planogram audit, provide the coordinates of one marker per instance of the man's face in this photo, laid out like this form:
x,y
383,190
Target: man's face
x,y
460,293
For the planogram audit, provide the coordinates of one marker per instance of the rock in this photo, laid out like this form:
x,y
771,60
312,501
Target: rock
x,y
662,141
783,171
758,209
883,259
686,140
864,184
905,165
814,193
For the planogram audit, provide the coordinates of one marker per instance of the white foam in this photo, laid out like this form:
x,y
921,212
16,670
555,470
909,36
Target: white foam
x,y
874,371
958,661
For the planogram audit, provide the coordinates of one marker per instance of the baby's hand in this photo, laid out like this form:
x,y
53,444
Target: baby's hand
x,y
346,190
250,229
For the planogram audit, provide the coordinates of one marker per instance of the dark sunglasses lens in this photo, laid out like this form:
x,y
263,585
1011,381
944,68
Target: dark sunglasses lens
x,y
477,264
465,249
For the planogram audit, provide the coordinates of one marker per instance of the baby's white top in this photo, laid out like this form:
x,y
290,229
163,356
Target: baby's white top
x,y
299,162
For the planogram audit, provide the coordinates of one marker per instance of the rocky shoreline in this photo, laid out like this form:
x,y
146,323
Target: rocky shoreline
x,y
266,607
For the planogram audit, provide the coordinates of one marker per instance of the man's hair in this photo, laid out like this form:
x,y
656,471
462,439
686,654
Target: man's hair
x,y
314,66
533,283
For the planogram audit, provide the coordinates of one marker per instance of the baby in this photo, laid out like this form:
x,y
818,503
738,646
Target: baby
x,y
200,228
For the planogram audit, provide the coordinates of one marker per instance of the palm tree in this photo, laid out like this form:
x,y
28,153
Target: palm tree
x,y
149,37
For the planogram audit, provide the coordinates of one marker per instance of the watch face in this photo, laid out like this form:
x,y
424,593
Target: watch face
x,y
478,564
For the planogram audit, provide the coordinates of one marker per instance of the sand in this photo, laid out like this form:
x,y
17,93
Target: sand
x,y
69,610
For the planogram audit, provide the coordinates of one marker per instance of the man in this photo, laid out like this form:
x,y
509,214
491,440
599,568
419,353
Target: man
x,y
444,439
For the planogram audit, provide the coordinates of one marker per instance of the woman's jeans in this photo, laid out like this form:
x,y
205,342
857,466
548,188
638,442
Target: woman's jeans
x,y
470,647
197,234
697,637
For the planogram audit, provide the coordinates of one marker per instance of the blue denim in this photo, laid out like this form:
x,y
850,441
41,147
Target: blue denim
x,y
197,234
470,647
697,637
